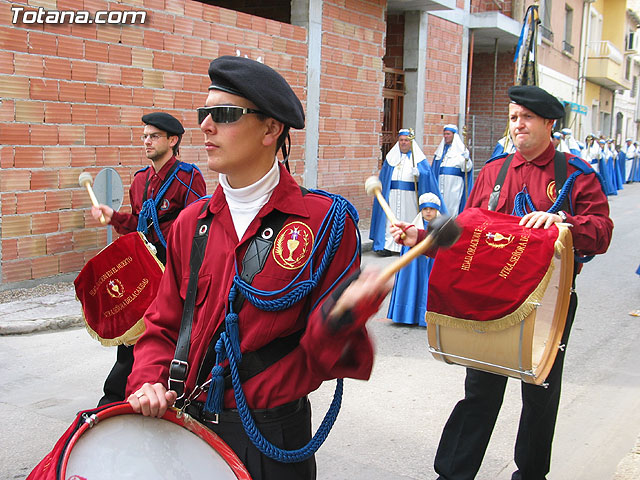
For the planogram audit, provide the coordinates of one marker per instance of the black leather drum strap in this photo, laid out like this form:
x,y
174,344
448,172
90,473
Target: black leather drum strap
x,y
179,366
502,175
560,174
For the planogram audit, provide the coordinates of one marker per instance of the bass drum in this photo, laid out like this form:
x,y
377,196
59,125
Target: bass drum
x,y
117,443
524,348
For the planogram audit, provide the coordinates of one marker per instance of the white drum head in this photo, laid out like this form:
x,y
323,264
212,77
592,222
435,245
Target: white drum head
x,y
137,447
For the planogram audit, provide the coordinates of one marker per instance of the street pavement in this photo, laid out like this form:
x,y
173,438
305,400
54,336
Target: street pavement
x,y
61,310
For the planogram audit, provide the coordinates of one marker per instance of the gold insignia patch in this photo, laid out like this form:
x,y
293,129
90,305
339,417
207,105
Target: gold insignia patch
x,y
115,288
293,245
551,191
497,240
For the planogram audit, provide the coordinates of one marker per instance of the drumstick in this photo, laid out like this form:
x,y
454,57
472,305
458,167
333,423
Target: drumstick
x,y
85,180
443,232
373,186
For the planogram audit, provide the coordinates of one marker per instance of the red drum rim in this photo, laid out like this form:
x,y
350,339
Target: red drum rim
x,y
171,415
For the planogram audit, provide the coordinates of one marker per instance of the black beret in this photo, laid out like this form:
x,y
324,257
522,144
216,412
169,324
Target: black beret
x,y
537,100
164,121
260,84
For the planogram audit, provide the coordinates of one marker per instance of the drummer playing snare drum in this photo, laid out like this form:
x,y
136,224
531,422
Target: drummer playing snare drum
x,y
528,177
168,186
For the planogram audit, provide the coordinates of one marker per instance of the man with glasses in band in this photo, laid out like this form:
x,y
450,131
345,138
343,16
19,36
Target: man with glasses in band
x,y
182,184
318,336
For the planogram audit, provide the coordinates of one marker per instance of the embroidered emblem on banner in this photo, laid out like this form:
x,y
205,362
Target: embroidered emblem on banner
x,y
115,288
498,240
293,245
165,204
551,191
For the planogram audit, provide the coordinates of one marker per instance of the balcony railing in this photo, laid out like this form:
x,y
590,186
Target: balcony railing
x,y
605,49
546,33
567,47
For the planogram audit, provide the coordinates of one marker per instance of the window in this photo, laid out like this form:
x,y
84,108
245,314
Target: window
x,y
634,86
631,41
545,20
627,68
279,10
568,29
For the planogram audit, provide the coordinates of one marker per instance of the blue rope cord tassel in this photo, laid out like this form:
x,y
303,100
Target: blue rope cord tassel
x,y
228,345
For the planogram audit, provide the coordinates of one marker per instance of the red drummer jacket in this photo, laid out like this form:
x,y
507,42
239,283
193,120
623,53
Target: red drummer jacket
x,y
322,354
177,197
589,207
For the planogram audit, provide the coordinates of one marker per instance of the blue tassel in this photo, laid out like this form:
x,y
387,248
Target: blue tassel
x,y
215,395
234,335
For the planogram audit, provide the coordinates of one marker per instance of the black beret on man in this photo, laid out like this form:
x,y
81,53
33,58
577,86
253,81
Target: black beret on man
x,y
164,121
260,84
537,100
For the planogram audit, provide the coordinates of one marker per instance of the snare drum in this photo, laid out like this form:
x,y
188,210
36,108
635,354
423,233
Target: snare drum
x,y
115,288
117,443
498,299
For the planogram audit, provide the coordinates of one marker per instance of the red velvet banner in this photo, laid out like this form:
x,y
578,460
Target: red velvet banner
x,y
494,267
115,288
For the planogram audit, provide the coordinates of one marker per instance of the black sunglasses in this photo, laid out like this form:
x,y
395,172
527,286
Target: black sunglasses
x,y
224,113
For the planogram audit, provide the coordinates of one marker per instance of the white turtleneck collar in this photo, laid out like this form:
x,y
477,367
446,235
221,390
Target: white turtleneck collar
x,y
245,203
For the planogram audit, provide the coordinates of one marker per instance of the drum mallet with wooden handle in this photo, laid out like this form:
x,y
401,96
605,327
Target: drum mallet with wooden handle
x,y
86,180
373,186
443,231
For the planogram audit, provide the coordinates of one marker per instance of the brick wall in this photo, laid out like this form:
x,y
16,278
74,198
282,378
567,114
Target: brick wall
x,y
442,92
73,95
351,98
394,44
490,122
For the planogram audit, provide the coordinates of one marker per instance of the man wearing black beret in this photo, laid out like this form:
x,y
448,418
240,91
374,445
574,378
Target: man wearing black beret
x,y
535,176
254,289
157,194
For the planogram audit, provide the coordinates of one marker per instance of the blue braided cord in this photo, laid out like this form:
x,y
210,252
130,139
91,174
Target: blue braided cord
x,y
523,203
256,437
296,290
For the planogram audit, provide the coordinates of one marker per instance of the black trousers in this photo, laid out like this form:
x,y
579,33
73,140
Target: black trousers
x,y
116,382
289,431
467,432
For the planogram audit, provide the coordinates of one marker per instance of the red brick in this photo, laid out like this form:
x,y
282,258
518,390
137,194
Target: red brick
x,y
41,89
57,157
95,51
14,180
13,86
68,178
84,71
109,33
69,47
44,180
46,266
12,38
28,65
42,43
83,114
30,112
9,249
71,135
6,157
16,271
109,74
83,156
96,135
59,243
132,77
28,157
29,202
29,247
133,35
143,97
15,226
120,136
14,134
57,113
120,95
7,110
71,219
57,200
71,92
71,262
83,239
95,93
44,135
44,223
